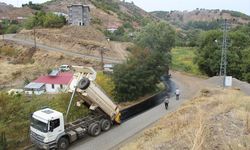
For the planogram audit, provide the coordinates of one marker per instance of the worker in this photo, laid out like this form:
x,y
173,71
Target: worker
x,y
166,102
177,93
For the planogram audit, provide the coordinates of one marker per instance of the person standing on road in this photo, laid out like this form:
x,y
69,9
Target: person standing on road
x,y
166,102
177,94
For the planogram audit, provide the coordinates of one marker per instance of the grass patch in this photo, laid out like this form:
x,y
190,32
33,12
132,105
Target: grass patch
x,y
8,51
106,83
182,60
15,112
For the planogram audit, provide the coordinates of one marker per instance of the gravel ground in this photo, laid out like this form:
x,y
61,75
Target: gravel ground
x,y
243,86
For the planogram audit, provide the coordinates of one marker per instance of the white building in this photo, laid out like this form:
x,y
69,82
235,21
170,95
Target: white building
x,y
54,83
34,88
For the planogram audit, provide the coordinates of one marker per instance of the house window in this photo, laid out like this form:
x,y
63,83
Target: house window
x,y
61,86
52,86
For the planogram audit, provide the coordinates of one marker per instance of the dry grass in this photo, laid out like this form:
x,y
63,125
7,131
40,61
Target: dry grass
x,y
217,119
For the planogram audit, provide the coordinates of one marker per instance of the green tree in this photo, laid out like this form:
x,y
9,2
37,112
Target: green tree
x,y
209,53
157,36
142,71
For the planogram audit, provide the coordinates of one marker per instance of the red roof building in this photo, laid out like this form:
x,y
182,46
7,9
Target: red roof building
x,y
63,78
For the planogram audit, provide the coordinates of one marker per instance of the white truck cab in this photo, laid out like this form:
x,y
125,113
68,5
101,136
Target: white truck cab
x,y
46,124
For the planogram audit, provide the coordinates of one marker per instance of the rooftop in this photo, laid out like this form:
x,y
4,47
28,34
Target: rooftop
x,y
62,78
33,85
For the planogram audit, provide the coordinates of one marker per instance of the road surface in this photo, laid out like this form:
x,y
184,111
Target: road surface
x,y
120,134
27,42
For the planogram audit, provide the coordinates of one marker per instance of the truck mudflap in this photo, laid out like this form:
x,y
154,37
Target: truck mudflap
x,y
42,145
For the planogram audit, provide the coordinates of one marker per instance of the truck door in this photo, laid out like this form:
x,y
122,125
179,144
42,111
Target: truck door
x,y
55,129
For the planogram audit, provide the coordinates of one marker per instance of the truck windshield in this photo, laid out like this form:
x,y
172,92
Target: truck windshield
x,y
41,126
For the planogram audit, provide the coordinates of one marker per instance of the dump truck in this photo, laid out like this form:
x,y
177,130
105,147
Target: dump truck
x,y
49,128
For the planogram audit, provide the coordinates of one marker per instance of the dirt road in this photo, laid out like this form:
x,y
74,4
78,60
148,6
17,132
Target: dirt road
x,y
121,134
119,49
27,42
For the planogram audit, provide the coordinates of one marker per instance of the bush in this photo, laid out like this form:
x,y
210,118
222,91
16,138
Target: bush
x,y
47,20
12,29
33,6
106,83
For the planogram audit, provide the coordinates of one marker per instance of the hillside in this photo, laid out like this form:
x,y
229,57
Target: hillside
x,y
182,18
11,12
107,12
195,126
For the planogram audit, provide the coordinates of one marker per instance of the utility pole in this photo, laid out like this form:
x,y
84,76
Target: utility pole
x,y
102,62
223,63
34,30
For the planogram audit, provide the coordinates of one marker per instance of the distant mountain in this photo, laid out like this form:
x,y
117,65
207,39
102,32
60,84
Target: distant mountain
x,y
182,18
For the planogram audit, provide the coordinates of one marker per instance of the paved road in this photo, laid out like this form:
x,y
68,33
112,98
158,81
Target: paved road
x,y
12,37
118,135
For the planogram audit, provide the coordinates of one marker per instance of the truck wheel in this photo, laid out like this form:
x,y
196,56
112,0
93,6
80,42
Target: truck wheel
x,y
63,144
105,124
95,129
83,84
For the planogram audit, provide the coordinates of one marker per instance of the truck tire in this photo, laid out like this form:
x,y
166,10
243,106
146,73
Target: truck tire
x,y
105,124
95,129
63,144
84,83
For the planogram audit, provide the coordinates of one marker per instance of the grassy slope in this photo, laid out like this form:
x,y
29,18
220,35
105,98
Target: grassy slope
x,y
15,112
195,126
182,60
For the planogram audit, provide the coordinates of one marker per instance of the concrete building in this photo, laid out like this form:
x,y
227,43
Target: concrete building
x,y
79,15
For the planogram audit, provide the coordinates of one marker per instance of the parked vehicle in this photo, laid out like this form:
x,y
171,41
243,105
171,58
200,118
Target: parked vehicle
x,y
48,127
15,91
64,68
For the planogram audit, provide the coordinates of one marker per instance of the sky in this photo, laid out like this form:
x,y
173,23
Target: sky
x,y
167,5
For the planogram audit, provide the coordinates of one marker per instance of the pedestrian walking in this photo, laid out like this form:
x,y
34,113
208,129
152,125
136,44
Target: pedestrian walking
x,y
177,94
166,102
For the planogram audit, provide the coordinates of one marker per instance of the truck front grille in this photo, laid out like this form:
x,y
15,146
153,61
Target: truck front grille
x,y
37,137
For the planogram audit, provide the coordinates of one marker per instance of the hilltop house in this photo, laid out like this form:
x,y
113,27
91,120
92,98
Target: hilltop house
x,y
53,83
79,15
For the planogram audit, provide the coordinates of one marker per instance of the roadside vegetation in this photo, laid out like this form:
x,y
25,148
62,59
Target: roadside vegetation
x,y
183,60
8,27
46,20
208,54
150,59
15,112
106,83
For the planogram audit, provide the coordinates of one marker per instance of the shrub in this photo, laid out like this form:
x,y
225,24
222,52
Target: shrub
x,y
12,29
47,20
